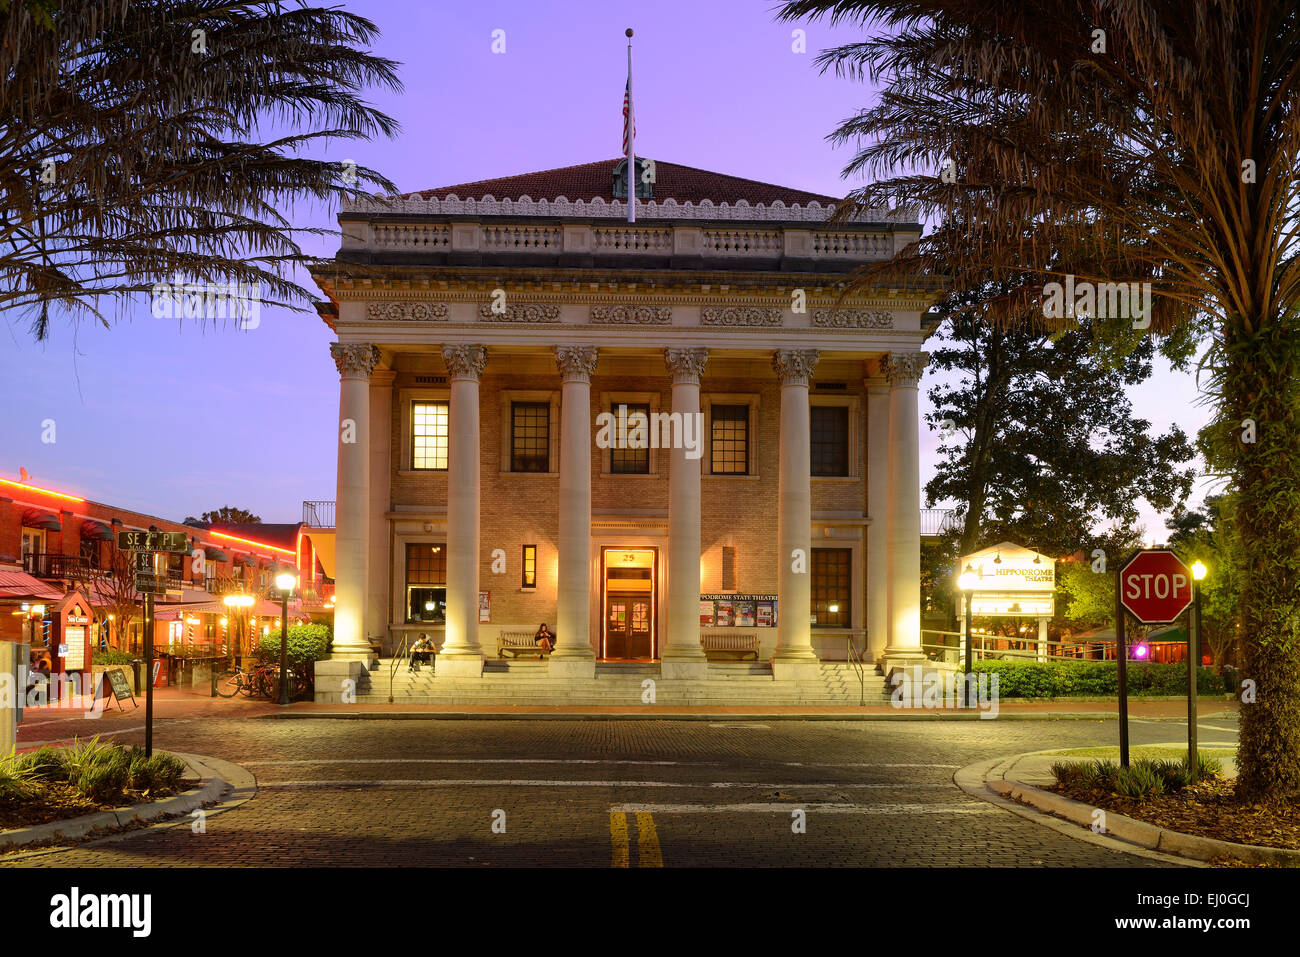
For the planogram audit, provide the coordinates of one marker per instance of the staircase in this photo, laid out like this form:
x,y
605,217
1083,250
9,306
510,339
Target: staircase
x,y
517,682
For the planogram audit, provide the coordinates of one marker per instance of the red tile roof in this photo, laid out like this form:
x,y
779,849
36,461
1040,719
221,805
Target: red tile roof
x,y
586,181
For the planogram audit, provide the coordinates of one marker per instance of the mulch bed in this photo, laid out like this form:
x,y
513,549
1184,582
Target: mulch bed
x,y
59,801
1207,809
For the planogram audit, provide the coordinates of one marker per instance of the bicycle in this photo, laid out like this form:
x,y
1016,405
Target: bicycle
x,y
260,680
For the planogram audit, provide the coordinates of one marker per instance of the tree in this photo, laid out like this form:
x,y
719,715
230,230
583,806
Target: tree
x,y
226,515
1136,141
1047,444
1209,535
112,589
135,150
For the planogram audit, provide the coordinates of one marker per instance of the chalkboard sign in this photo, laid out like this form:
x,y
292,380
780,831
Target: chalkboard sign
x,y
118,684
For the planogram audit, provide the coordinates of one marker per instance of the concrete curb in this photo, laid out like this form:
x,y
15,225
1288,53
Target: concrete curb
x,y
211,787
916,715
998,777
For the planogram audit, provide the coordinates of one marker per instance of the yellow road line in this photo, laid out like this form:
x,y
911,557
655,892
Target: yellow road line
x,y
618,839
648,841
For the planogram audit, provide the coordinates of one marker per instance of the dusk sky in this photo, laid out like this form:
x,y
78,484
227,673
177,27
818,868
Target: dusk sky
x,y
174,421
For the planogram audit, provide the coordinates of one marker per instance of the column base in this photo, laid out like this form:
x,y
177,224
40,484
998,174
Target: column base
x,y
466,664
683,665
573,666
903,657
337,680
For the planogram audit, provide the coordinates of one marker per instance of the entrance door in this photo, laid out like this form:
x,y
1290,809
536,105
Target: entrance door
x,y
627,626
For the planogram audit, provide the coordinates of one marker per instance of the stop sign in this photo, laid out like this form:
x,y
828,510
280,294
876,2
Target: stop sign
x,y
1155,586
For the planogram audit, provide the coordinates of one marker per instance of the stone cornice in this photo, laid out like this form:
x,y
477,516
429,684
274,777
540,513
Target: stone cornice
x,y
853,318
740,316
409,311
598,208
631,315
520,312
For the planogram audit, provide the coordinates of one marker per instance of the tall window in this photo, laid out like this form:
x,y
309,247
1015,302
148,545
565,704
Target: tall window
x,y
426,582
90,552
626,461
830,586
428,435
830,440
530,437
530,566
729,435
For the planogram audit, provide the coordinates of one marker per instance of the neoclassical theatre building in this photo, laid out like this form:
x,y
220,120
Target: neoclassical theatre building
x,y
490,332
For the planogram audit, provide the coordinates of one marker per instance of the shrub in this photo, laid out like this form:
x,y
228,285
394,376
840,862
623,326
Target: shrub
x,y
84,755
307,643
44,764
16,782
113,657
1058,679
1140,781
160,772
1207,767
106,777
1069,773
1101,775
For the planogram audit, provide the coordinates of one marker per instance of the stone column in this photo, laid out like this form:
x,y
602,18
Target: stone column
x,y
794,657
1042,639
903,512
379,612
461,655
355,361
877,499
681,655
573,656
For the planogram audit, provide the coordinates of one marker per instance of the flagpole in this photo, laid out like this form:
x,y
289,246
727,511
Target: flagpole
x,y
631,136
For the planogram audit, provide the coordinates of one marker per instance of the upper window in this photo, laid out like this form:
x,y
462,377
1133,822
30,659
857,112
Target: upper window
x,y
830,440
622,459
830,587
729,435
429,435
530,437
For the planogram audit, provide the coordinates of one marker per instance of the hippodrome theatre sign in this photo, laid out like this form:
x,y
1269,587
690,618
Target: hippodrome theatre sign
x,y
1012,580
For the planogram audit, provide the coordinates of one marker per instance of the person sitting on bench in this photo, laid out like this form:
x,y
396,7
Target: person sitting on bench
x,y
545,639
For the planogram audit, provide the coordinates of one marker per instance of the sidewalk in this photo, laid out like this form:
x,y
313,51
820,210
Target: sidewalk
x,y
191,703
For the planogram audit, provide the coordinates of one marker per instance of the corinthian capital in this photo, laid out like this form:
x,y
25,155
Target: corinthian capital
x,y
355,358
794,366
904,368
576,363
464,362
686,365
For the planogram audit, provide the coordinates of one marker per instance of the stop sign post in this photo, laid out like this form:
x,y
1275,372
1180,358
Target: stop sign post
x,y
1155,587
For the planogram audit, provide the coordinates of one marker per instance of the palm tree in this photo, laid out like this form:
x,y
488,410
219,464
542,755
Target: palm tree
x,y
1123,141
141,143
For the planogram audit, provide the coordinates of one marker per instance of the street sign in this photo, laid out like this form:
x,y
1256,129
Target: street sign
x,y
147,583
1155,586
137,541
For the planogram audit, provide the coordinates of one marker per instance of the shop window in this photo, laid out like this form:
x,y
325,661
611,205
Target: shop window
x,y
530,437
530,566
729,437
630,461
426,582
429,425
831,587
830,440
90,552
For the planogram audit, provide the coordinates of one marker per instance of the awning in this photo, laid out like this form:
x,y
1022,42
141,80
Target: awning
x,y
215,554
96,530
323,545
35,518
21,586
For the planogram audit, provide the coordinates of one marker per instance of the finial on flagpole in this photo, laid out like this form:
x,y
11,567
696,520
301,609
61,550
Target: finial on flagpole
x,y
629,33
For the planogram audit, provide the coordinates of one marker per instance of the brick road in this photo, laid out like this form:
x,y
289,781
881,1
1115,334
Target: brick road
x,y
600,793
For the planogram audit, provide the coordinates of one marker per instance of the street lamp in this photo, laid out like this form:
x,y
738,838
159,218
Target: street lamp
x,y
967,583
1199,572
284,581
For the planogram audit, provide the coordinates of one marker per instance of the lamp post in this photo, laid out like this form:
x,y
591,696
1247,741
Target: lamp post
x,y
284,581
1193,663
967,583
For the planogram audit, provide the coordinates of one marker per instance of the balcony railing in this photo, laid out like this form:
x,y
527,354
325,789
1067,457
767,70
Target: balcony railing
x,y
56,565
937,522
318,514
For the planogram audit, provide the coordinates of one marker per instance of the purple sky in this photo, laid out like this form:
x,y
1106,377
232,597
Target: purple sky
x,y
176,421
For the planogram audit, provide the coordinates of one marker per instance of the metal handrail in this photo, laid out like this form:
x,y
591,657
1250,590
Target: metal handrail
x,y
402,652
856,658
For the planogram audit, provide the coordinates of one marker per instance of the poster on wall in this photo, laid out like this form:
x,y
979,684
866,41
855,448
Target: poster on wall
x,y
75,656
706,613
765,613
723,613
745,614
484,606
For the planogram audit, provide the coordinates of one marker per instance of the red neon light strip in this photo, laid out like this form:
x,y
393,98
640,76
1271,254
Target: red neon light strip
x,y
249,541
43,491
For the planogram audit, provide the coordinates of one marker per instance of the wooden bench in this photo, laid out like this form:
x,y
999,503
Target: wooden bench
x,y
518,643
730,644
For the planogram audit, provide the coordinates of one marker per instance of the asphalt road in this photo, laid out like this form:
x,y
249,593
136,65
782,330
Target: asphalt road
x,y
727,792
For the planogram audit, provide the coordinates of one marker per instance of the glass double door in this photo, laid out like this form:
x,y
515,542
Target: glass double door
x,y
627,626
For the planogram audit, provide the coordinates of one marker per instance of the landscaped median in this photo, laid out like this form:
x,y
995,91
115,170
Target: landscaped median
x,y
67,793
1137,807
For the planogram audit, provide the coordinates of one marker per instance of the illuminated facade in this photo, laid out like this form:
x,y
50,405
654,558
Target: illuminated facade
x,y
510,353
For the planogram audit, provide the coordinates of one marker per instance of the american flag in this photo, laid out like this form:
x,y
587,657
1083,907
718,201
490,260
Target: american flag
x,y
629,121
